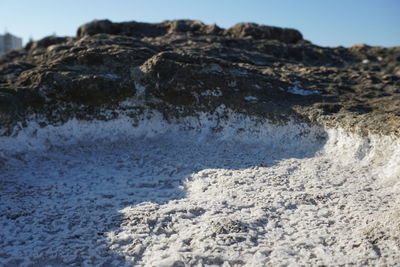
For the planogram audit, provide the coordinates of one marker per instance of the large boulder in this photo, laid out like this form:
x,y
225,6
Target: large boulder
x,y
258,32
97,26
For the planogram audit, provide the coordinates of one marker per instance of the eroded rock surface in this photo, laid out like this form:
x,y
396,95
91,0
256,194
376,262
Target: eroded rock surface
x,y
253,69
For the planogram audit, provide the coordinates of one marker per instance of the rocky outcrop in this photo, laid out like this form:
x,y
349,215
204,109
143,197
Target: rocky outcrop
x,y
250,68
140,30
262,32
240,30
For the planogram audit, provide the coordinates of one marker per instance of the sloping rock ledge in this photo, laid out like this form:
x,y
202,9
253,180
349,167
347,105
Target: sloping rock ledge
x,y
182,67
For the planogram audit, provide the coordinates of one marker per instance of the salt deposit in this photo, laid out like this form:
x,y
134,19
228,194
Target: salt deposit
x,y
198,191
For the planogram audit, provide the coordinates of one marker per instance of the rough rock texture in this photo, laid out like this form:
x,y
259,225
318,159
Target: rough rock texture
x,y
250,68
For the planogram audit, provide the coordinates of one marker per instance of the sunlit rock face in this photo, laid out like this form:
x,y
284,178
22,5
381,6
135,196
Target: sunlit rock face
x,y
191,66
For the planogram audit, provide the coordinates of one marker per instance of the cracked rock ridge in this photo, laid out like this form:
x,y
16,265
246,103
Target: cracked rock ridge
x,y
182,67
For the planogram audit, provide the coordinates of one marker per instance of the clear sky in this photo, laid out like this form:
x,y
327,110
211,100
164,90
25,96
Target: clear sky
x,y
324,22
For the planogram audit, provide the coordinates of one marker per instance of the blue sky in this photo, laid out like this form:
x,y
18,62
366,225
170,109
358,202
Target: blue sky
x,y
324,22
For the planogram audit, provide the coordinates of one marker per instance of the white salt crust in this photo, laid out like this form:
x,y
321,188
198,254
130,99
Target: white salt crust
x,y
197,191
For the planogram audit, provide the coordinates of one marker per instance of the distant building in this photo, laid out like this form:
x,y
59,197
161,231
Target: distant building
x,y
9,42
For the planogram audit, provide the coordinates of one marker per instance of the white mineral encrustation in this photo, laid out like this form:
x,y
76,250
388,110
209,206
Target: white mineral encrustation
x,y
199,190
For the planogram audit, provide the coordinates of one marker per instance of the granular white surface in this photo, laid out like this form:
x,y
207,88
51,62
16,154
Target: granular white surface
x,y
161,194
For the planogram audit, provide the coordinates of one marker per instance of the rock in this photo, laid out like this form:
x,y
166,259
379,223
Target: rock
x,y
97,26
189,66
138,29
183,26
46,42
262,32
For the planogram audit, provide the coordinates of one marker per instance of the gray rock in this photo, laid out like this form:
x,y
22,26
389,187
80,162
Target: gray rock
x,y
263,32
197,67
